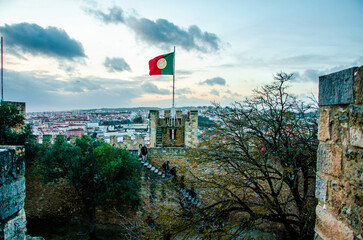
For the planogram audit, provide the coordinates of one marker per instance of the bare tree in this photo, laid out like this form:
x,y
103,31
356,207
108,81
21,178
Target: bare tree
x,y
258,165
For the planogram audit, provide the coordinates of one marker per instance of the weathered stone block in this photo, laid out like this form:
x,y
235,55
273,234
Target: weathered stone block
x,y
329,159
12,189
337,88
328,227
339,129
356,136
34,238
353,167
351,217
321,189
14,228
356,126
11,206
12,164
324,125
358,85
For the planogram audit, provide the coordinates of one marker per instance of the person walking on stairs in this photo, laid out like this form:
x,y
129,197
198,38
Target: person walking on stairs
x,y
144,153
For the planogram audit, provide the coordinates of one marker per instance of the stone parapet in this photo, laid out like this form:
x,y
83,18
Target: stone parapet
x,y
154,116
191,129
339,182
12,193
175,155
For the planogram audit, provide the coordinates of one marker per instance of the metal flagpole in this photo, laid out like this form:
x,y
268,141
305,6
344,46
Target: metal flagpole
x,y
173,107
2,72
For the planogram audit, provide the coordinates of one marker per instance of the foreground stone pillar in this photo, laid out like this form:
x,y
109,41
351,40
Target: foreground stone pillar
x,y
154,117
339,181
191,129
12,193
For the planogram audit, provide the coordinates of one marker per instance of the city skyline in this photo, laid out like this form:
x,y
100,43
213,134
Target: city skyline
x,y
64,55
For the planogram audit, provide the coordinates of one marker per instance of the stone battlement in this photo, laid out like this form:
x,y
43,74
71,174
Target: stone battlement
x,y
167,132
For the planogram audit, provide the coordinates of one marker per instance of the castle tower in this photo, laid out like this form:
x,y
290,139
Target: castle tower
x,y
191,129
169,132
154,117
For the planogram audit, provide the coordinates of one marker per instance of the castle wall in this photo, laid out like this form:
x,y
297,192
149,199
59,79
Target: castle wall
x,y
12,193
191,129
154,116
339,178
132,145
175,155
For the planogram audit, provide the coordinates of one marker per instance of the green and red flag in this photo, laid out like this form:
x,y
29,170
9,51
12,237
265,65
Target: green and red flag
x,y
162,65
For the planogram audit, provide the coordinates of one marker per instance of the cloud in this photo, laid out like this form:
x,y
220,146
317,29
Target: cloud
x,y
214,81
162,33
183,72
50,41
214,92
183,91
116,65
233,94
45,92
309,75
304,60
115,15
152,88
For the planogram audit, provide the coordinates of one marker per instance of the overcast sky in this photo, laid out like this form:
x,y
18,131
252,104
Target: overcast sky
x,y
78,54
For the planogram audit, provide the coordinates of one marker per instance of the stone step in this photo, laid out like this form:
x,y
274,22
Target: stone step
x,y
188,198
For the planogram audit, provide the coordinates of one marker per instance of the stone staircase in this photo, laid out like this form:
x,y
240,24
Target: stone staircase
x,y
191,201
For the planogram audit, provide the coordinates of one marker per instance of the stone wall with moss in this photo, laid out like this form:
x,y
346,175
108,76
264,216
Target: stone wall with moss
x,y
12,194
339,182
175,155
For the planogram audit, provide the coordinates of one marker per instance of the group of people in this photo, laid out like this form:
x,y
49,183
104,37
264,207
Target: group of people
x,y
165,166
168,172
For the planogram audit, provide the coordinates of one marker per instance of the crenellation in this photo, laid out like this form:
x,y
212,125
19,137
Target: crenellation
x,y
167,132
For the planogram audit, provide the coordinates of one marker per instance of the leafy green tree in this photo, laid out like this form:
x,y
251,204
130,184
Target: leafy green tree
x,y
102,175
14,132
11,125
257,169
205,122
138,119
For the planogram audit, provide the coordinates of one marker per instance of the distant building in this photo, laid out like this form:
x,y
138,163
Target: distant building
x,y
74,120
76,132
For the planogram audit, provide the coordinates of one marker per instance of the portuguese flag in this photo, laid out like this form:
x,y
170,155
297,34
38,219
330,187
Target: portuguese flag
x,y
162,65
